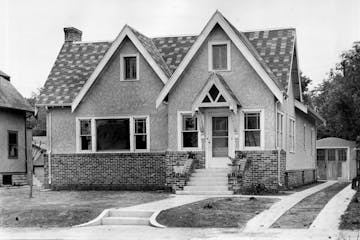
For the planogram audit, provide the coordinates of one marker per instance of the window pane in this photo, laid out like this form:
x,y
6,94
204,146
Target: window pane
x,y
140,142
12,138
342,154
85,127
190,139
13,151
113,134
130,67
252,120
189,123
140,126
219,56
221,99
252,139
12,144
321,155
85,142
213,92
206,99
331,154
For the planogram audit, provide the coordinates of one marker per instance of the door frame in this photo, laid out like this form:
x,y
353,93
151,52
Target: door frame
x,y
209,114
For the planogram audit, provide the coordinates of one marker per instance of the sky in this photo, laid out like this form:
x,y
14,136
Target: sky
x,y
31,31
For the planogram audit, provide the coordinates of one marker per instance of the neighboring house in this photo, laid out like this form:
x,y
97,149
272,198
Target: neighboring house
x,y
336,159
15,137
122,113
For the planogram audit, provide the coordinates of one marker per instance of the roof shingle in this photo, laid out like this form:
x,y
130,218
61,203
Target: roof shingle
x,y
11,98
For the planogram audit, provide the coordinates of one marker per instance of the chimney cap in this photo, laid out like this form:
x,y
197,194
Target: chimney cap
x,y
72,34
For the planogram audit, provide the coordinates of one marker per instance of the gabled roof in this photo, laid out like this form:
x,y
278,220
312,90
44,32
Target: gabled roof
x,y
4,75
309,111
77,61
11,98
243,46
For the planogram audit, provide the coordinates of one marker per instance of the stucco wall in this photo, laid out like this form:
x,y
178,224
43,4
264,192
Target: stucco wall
x,y
111,97
242,79
15,121
304,157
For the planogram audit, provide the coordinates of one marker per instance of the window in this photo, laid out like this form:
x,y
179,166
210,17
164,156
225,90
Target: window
x,y
331,154
279,130
320,155
85,135
252,129
140,133
189,132
214,96
292,135
312,139
113,134
12,144
129,67
219,56
342,155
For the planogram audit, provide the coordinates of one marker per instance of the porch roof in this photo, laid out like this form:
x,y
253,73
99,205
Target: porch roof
x,y
215,79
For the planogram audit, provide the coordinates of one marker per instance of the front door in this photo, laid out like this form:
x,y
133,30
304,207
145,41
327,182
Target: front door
x,y
218,148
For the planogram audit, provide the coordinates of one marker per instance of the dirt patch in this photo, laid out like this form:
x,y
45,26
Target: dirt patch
x,y
215,212
63,208
304,213
350,220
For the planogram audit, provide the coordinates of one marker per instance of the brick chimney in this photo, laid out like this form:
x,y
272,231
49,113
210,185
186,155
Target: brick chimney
x,y
72,34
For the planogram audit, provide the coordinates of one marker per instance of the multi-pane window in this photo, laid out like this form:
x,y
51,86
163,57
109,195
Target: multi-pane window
x,y
279,130
331,154
252,129
320,155
189,132
85,135
130,65
13,144
342,154
292,135
112,134
140,134
219,57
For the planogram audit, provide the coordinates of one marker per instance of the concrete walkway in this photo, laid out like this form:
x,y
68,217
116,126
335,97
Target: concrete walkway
x,y
265,219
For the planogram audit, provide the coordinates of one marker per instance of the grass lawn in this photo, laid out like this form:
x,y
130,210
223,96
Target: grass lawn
x,y
215,212
63,208
351,218
304,213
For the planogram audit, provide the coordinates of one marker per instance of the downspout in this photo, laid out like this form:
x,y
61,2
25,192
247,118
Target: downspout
x,y
277,146
50,146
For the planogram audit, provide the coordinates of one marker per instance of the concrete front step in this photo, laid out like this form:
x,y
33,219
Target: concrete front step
x,y
125,213
125,221
208,178
209,174
204,192
199,182
222,170
206,188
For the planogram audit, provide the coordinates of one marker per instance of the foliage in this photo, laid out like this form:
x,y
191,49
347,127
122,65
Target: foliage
x,y
38,123
338,97
305,82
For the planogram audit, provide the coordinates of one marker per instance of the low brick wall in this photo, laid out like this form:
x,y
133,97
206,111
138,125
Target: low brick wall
x,y
262,168
107,171
188,160
294,178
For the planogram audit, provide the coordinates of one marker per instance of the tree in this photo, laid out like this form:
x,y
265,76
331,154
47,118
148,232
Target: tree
x,y
338,97
305,82
38,123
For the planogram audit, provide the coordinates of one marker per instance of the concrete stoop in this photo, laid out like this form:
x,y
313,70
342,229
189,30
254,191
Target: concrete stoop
x,y
123,217
209,181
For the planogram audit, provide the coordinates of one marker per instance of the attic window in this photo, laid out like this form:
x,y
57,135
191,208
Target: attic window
x,y
214,96
129,67
219,56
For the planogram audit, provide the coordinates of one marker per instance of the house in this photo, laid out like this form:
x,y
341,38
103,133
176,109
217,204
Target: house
x,y
15,137
121,114
336,159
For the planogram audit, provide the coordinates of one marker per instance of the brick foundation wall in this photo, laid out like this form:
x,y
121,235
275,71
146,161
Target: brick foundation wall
x,y
294,178
107,171
262,168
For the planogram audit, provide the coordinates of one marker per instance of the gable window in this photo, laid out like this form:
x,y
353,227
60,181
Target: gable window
x,y
85,135
279,129
292,135
13,144
252,129
113,134
214,96
189,131
219,56
140,133
129,67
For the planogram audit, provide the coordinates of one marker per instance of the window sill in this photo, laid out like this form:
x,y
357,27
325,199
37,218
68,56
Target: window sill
x,y
13,158
125,151
129,80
